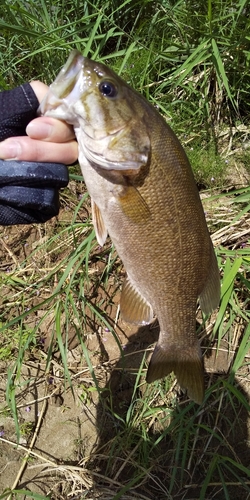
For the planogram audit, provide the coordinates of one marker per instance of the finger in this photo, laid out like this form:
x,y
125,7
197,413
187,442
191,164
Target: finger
x,y
27,149
50,129
39,88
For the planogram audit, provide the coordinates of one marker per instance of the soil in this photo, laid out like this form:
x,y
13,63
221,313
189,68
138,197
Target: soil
x,y
67,432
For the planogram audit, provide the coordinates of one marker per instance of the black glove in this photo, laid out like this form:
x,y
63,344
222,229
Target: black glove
x,y
28,190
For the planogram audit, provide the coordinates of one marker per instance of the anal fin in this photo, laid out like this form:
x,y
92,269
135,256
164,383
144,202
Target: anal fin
x,y
186,363
134,308
100,229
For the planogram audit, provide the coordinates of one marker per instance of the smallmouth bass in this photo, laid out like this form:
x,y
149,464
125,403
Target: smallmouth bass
x,y
144,196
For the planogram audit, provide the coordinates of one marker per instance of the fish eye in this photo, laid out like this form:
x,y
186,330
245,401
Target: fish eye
x,y
108,89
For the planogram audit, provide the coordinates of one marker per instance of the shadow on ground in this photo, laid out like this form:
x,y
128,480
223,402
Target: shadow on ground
x,y
182,453
135,441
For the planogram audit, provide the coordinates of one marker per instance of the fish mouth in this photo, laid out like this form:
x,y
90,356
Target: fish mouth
x,y
69,97
70,85
65,89
67,77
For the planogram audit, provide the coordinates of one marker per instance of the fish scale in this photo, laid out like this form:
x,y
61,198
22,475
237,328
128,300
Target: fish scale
x,y
144,196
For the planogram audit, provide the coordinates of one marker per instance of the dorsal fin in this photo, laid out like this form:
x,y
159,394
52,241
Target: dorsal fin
x,y
210,296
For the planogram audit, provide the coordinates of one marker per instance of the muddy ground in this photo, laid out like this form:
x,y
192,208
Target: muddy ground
x,y
67,432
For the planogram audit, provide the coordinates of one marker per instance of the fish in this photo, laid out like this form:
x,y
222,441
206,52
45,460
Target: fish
x,y
144,196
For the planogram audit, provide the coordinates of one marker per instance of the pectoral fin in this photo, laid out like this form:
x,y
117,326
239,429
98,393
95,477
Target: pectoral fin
x,y
133,205
185,362
134,308
210,296
100,229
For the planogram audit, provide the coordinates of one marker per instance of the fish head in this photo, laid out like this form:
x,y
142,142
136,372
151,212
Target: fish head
x,y
109,117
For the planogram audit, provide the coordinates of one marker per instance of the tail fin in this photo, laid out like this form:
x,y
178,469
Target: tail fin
x,y
186,363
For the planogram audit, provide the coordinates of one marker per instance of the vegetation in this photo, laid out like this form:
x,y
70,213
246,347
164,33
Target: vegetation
x,y
59,290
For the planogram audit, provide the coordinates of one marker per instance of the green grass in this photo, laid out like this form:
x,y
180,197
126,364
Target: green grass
x,y
193,63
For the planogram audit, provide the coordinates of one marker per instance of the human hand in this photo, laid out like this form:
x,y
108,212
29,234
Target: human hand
x,y
47,140
30,183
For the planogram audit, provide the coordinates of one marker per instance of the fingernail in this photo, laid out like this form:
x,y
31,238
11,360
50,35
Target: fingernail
x,y
39,130
10,150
